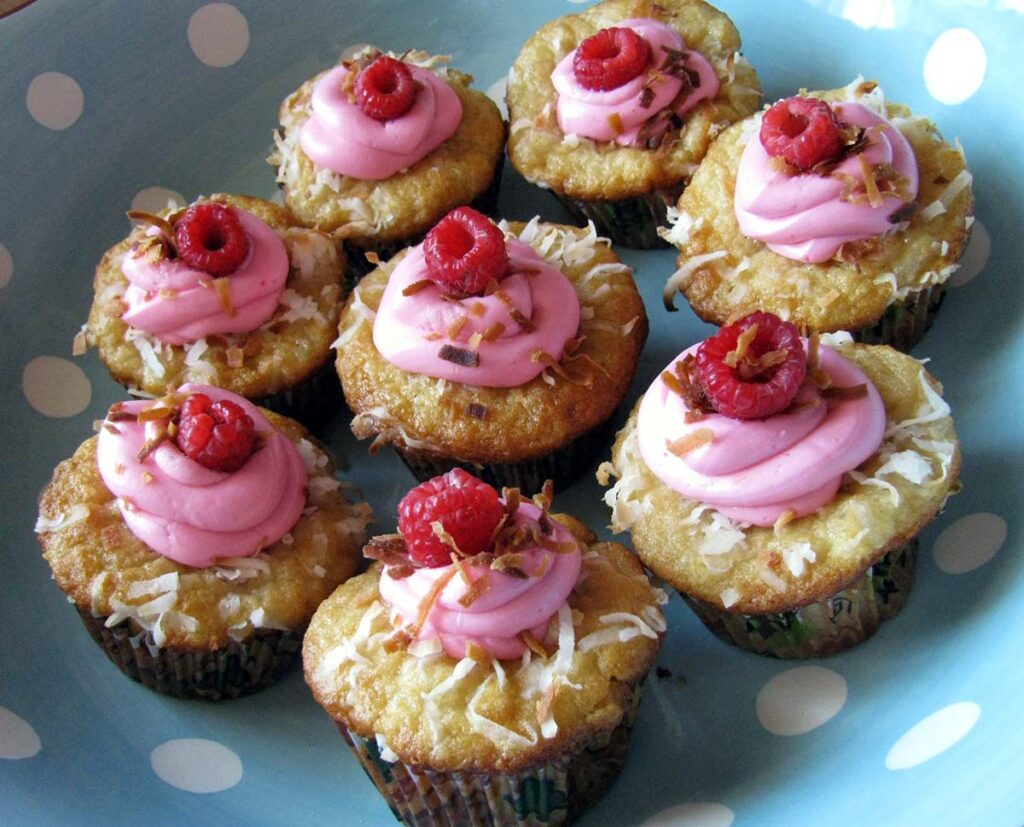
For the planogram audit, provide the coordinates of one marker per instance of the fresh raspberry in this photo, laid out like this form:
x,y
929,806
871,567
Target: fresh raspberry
x,y
610,58
385,89
219,435
467,508
464,251
803,131
767,372
210,237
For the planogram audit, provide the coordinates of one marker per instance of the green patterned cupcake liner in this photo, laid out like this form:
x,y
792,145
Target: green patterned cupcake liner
x,y
845,619
563,467
632,223
313,402
234,670
359,265
544,795
905,322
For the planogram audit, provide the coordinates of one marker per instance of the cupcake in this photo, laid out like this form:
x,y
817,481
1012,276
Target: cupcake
x,y
196,534
779,485
613,108
229,292
378,148
835,210
503,349
488,668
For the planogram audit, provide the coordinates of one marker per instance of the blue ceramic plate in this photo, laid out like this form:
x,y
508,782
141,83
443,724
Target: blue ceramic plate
x,y
922,725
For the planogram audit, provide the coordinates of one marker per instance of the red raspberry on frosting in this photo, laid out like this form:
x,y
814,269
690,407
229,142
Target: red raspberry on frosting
x,y
803,131
219,435
610,58
385,89
210,237
752,369
464,251
467,509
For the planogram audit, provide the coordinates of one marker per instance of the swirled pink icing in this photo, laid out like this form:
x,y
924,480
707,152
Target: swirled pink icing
x,y
178,304
803,217
509,605
618,114
754,470
340,137
190,513
409,331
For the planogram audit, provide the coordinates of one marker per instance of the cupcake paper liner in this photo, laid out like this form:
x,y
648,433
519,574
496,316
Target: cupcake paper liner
x,y
632,223
550,793
833,625
359,265
563,466
313,401
234,670
905,322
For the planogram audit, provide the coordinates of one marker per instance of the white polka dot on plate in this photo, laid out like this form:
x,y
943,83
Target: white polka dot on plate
x,y
218,34
975,257
196,765
496,92
56,387
55,100
955,66
870,14
969,543
6,266
353,50
933,735
154,199
693,814
17,737
801,699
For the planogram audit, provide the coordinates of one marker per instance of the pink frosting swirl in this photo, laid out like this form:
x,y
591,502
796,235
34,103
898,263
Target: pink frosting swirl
x,y
590,113
178,304
510,605
340,137
804,217
409,331
190,513
754,470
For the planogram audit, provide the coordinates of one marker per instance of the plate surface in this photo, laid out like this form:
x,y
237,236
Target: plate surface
x,y
919,726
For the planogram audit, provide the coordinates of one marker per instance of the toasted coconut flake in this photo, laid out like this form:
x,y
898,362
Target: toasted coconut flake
x,y
475,339
162,224
150,445
784,519
477,309
514,313
439,531
697,438
533,644
615,123
427,604
493,332
223,288
477,589
416,286
455,328
459,356
478,653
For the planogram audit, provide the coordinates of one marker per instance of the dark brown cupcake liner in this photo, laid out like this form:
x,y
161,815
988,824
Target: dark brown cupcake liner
x,y
632,223
563,467
847,618
313,402
234,670
359,265
905,322
549,793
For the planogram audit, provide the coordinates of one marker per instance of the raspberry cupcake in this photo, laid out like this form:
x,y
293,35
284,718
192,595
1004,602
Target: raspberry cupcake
x,y
501,348
195,573
488,668
613,108
378,148
779,485
835,210
230,292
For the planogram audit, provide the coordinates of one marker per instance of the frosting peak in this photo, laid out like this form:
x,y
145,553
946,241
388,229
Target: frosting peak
x,y
178,304
508,607
808,216
341,137
410,331
620,114
192,514
754,470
